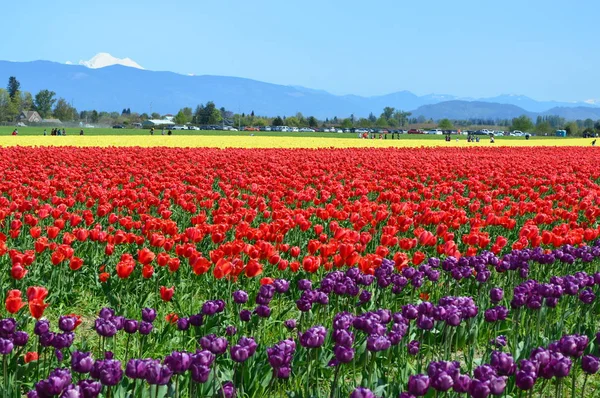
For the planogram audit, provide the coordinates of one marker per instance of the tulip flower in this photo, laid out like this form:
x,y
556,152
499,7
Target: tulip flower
x,y
166,294
14,302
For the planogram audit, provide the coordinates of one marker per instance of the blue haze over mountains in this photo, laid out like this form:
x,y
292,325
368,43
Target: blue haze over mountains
x,y
116,87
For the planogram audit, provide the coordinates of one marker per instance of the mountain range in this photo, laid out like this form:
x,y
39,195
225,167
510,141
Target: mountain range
x,y
111,84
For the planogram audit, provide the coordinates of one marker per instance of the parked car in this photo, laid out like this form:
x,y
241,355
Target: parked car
x,y
250,128
193,128
118,126
233,129
178,128
483,132
435,132
416,131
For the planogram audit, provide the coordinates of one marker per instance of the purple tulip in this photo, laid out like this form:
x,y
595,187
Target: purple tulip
x,y
377,343
196,320
590,364
81,362
418,385
90,388
245,315
200,373
105,327
6,346
157,374
20,338
107,371
179,361
131,326
362,392
281,286
240,297
304,284
228,390
106,313
313,337
146,328
148,315
183,323
67,323
291,324
413,347
263,311
41,327
56,383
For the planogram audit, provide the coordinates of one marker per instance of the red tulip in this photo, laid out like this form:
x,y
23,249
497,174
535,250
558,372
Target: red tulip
x,y
37,308
124,269
172,318
36,293
254,268
75,263
18,272
30,357
166,293
147,271
146,256
14,302
174,264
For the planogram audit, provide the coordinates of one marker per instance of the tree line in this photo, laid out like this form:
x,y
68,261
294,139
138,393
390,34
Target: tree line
x,y
13,101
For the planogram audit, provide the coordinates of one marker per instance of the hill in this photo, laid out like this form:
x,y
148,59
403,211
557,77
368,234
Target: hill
x,y
114,87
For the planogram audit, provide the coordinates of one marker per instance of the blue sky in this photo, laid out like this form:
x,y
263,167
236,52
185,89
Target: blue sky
x,y
543,49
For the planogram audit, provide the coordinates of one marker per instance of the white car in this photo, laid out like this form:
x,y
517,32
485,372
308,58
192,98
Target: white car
x,y
178,128
233,129
435,131
193,128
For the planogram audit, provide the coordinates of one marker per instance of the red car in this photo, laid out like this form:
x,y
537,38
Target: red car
x,y
416,131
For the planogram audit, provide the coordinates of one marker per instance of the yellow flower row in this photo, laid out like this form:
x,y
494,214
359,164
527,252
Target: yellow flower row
x,y
273,142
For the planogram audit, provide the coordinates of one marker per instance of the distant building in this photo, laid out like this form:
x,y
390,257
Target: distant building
x,y
51,121
30,117
157,123
169,117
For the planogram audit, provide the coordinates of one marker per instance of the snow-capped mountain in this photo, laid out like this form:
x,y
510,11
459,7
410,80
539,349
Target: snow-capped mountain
x,y
102,60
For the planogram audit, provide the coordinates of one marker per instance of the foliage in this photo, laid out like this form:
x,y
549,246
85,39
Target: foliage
x,y
445,124
44,101
13,87
572,129
64,111
522,123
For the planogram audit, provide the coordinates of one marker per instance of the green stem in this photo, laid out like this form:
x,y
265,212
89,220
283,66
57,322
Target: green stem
x,y
335,380
584,384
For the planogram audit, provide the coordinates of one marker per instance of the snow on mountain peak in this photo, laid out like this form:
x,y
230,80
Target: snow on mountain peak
x,y
102,60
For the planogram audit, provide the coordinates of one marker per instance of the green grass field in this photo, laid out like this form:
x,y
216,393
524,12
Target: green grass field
x,y
38,131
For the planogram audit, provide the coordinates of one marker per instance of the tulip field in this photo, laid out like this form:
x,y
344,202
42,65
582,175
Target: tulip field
x,y
147,272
